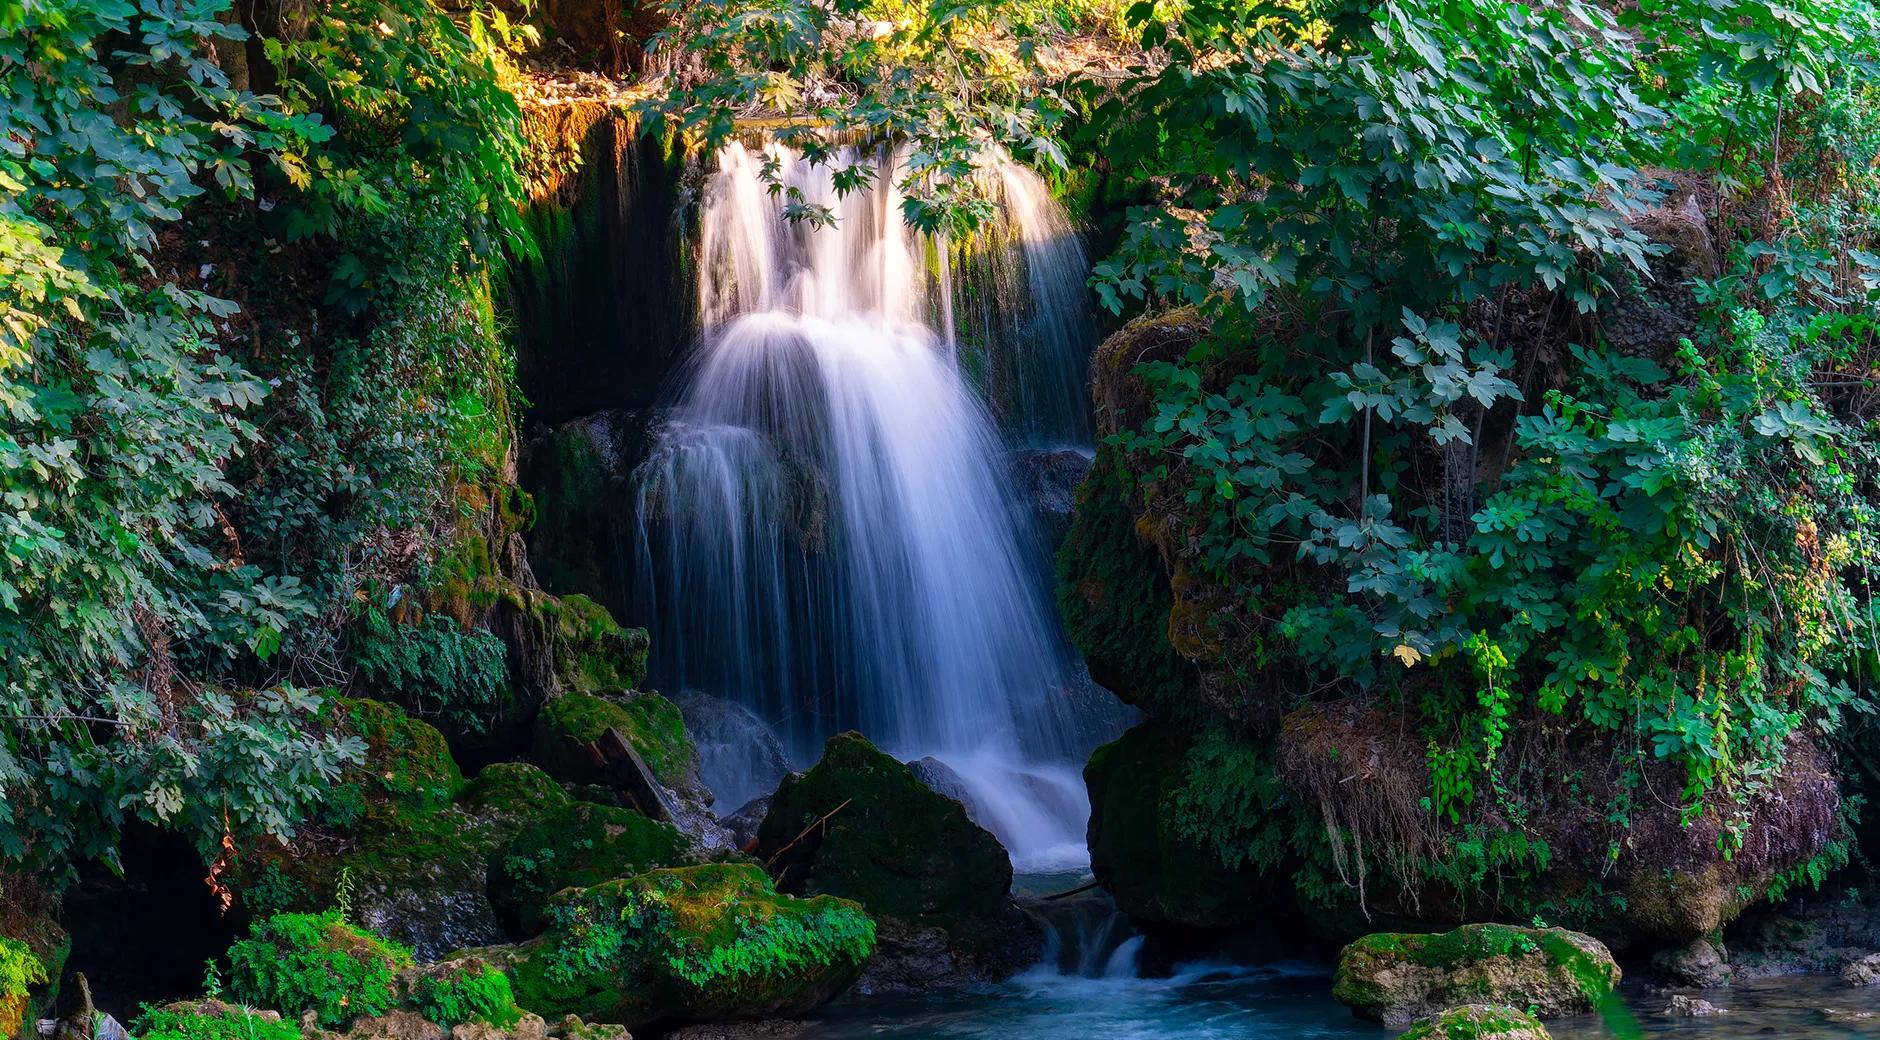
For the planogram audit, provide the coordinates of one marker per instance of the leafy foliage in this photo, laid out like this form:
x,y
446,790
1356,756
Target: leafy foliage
x,y
435,665
319,963
228,1023
466,996
194,490
1669,543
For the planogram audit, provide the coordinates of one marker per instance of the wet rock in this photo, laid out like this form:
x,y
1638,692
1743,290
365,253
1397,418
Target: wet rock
x,y
693,944
575,846
740,757
941,779
744,823
1396,978
1684,1006
1047,479
1863,972
1156,874
570,1027
773,1029
861,826
1478,1022
1848,1016
1700,964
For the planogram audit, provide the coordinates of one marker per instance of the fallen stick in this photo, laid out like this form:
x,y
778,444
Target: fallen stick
x,y
818,822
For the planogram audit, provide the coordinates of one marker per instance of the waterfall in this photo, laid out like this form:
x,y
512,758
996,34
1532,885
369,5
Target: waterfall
x,y
827,528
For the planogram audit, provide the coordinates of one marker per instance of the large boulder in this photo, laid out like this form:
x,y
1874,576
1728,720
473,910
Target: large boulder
x,y
1478,1022
575,846
860,825
687,944
1397,978
1160,875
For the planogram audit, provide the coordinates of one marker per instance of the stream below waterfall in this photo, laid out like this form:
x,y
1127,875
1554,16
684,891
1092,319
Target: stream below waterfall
x,y
1208,1000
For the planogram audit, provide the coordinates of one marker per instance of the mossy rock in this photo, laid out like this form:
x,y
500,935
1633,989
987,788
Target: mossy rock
x,y
593,652
1398,977
569,724
414,864
1114,594
575,846
860,824
1478,1022
407,764
687,944
1158,875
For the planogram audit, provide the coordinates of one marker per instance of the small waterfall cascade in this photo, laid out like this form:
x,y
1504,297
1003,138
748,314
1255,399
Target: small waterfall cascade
x,y
828,533
1086,935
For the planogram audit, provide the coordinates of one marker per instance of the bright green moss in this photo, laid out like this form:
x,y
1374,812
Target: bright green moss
x,y
211,1020
407,762
316,962
466,995
705,942
651,723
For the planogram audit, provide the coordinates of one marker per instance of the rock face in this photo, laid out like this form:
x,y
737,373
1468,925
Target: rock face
x,y
861,826
1863,972
1478,1022
575,846
688,944
1396,978
1157,876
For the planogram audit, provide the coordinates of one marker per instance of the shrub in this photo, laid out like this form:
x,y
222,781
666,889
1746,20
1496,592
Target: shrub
x,y
318,962
464,995
210,1020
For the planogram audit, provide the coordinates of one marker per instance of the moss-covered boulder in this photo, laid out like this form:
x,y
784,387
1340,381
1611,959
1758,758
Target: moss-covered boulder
x,y
409,836
569,725
862,826
1397,978
1478,1022
1158,874
593,652
575,846
688,944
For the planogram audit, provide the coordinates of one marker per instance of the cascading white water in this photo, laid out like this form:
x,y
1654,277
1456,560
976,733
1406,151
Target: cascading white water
x,y
827,529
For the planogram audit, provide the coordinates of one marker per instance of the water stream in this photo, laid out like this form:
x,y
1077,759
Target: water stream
x,y
1212,1000
829,534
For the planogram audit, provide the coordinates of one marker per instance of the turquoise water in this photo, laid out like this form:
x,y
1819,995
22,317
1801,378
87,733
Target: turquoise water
x,y
1208,1001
